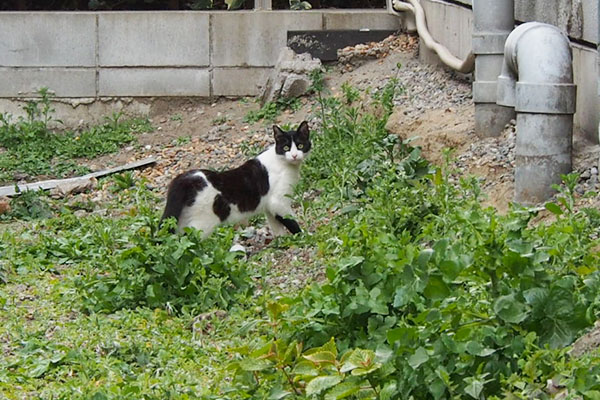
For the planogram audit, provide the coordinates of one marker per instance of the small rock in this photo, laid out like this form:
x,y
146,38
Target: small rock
x,y
594,171
249,232
586,174
20,176
80,213
147,147
237,248
4,205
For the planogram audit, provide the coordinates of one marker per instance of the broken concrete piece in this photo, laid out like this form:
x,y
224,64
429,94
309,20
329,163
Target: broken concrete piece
x,y
73,187
291,76
295,85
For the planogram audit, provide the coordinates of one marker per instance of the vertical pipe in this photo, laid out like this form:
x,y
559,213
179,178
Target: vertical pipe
x,y
544,95
493,21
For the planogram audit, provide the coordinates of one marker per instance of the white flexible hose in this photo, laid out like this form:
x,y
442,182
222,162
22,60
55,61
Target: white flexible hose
x,y
465,66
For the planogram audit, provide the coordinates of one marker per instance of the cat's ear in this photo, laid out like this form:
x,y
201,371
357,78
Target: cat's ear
x,y
303,130
278,132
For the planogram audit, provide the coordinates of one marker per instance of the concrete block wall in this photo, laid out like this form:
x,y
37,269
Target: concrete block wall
x,y
140,54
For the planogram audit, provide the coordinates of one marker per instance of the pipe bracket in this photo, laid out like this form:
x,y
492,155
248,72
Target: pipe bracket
x,y
489,42
556,98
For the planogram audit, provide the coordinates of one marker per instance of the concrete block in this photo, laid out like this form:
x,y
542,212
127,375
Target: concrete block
x,y
154,39
45,39
587,116
64,82
238,81
252,39
154,82
578,18
360,19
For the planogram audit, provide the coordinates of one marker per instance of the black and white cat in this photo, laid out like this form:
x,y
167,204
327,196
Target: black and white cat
x,y
203,199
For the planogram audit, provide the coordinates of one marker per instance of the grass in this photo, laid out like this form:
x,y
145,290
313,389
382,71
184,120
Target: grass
x,y
426,293
32,149
271,110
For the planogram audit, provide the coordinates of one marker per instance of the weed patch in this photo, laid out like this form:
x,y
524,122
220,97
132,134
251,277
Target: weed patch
x,y
270,110
427,295
31,148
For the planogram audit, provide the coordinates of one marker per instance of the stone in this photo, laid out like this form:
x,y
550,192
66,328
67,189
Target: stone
x,y
73,187
291,76
4,205
586,174
237,248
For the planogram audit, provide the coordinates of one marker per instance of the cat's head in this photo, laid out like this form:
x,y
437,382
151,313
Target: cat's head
x,y
294,145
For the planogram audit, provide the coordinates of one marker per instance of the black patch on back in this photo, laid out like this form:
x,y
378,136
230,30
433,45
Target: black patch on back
x,y
182,193
221,207
243,186
289,223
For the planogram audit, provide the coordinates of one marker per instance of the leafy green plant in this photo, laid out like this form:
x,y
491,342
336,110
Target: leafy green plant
x,y
300,5
250,149
234,4
158,268
29,205
351,94
320,371
123,181
270,110
176,117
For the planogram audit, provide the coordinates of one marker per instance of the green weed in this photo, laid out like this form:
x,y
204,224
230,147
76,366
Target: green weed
x,y
271,110
29,205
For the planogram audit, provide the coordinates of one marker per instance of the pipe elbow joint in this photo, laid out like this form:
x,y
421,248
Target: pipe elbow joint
x,y
539,55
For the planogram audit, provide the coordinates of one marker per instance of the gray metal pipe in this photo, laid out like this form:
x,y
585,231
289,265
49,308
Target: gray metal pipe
x,y
493,21
537,80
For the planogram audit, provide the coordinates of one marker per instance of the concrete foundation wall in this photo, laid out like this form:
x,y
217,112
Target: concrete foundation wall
x,y
137,54
104,55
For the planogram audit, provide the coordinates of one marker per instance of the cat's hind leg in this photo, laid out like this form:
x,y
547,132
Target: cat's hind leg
x,y
277,228
281,225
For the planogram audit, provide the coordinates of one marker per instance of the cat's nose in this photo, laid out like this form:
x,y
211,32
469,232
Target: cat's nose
x,y
294,156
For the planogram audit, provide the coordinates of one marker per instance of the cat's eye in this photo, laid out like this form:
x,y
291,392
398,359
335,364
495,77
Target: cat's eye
x,y
300,146
286,148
